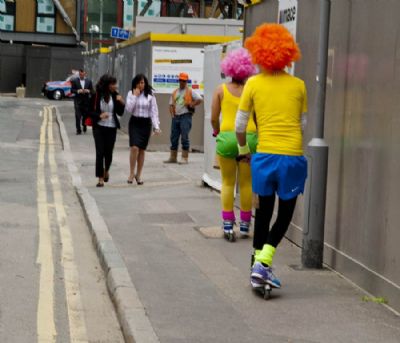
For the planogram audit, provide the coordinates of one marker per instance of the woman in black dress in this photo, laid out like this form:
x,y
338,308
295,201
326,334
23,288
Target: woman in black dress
x,y
142,105
106,105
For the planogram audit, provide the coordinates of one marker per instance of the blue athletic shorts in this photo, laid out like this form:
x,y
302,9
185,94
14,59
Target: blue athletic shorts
x,y
283,174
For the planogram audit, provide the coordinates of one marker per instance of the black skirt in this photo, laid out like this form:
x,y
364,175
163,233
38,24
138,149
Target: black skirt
x,y
139,132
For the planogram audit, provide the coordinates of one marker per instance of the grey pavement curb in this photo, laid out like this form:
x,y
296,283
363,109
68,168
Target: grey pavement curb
x,y
131,313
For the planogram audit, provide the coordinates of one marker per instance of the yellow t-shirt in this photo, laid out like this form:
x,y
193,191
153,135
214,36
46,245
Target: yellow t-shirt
x,y
278,101
229,106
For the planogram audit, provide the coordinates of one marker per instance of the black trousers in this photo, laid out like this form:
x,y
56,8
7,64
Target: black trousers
x,y
104,140
80,116
262,233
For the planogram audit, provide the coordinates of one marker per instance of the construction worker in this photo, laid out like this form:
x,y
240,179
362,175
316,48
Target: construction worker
x,y
181,107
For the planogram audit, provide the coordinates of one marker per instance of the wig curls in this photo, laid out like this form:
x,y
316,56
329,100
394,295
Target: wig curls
x,y
237,64
272,47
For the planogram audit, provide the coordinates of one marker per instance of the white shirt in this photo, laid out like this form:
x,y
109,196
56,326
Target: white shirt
x,y
82,83
108,108
143,107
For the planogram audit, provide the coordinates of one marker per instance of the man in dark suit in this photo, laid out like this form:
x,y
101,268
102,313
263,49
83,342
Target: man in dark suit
x,y
82,87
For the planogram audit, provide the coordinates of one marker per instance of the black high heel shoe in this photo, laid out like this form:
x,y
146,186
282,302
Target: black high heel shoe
x,y
106,177
139,182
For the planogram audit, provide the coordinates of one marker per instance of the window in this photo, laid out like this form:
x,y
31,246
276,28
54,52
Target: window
x,y
7,15
153,11
128,13
102,13
180,8
45,16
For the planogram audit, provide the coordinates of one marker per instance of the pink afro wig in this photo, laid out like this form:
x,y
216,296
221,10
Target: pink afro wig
x,y
237,64
272,47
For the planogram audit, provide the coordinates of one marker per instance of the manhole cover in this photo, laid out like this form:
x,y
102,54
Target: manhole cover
x,y
166,218
211,232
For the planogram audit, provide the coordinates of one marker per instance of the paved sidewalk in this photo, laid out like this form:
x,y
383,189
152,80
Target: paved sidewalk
x,y
193,285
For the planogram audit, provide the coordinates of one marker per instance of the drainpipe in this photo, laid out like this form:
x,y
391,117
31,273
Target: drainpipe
x,y
66,18
202,9
79,16
101,23
317,156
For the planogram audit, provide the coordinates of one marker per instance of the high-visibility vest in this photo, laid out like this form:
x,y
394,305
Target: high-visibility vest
x,y
188,96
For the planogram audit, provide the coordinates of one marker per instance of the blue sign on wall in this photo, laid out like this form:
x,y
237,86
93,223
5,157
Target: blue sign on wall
x,y
117,32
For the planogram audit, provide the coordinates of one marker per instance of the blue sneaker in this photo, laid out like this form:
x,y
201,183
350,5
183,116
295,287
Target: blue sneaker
x,y
262,275
227,225
244,228
229,234
256,282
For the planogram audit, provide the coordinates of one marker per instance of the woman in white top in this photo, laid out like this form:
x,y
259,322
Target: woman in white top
x,y
142,104
106,105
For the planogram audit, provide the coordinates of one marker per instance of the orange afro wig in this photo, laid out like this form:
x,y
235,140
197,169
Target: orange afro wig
x,y
272,47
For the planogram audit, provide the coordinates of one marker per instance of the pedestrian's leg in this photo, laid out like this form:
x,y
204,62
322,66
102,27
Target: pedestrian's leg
x,y
140,163
83,116
262,268
278,230
99,141
175,132
261,272
246,196
186,126
228,177
281,225
133,157
111,135
78,118
262,220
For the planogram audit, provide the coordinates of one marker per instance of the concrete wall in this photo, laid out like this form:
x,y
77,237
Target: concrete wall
x,y
361,128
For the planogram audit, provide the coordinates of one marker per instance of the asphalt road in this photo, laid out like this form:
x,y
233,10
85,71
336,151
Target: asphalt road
x,y
52,287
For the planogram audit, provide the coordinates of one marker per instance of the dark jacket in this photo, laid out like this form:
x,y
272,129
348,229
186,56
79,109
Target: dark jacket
x,y
81,100
94,111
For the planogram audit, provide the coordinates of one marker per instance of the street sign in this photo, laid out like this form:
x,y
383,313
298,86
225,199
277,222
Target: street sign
x,y
118,33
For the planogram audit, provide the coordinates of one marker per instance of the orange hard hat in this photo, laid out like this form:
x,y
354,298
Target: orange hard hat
x,y
183,76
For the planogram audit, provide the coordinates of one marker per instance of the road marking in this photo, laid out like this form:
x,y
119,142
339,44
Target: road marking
x,y
46,328
76,317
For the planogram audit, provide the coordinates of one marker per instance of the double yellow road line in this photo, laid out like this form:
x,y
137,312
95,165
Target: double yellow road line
x,y
46,323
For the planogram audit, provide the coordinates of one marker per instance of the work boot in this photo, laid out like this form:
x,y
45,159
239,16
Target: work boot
x,y
172,157
185,157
